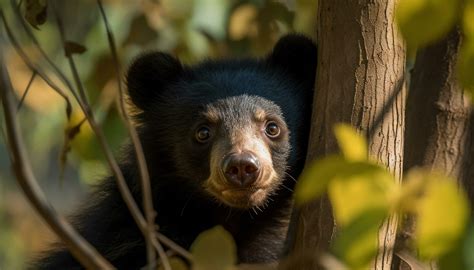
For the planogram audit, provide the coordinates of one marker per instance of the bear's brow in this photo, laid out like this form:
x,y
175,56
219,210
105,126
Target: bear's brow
x,y
212,115
260,115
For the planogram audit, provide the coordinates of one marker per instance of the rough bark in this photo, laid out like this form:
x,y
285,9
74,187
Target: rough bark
x,y
360,80
437,110
439,120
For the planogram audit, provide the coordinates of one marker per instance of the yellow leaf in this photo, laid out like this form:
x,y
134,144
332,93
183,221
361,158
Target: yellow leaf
x,y
360,187
443,213
315,177
468,19
413,185
352,145
214,249
424,21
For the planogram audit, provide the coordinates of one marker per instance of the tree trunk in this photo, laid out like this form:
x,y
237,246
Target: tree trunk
x,y
440,119
437,110
439,135
360,80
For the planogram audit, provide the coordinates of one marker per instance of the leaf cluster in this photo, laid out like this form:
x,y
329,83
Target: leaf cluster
x,y
423,22
363,194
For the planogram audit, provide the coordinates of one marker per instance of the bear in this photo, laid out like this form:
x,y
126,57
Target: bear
x,y
224,141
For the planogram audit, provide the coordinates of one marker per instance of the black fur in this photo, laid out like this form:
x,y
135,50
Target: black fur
x,y
169,95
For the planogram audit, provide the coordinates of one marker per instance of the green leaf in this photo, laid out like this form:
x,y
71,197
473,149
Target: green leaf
x,y
352,144
468,248
424,21
358,188
356,244
36,12
214,249
443,213
315,177
453,259
460,257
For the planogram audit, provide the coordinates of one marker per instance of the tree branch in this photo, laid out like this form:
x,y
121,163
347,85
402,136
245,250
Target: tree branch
x,y
437,119
31,36
132,132
172,245
79,247
27,90
121,183
359,81
33,66
125,192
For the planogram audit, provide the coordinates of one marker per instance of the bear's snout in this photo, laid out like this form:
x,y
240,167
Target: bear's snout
x,y
241,169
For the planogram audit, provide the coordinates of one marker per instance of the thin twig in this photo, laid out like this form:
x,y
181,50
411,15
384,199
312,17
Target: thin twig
x,y
161,251
33,39
143,170
172,245
33,66
124,190
80,87
28,87
79,247
121,183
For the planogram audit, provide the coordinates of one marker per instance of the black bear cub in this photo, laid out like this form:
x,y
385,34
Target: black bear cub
x,y
224,142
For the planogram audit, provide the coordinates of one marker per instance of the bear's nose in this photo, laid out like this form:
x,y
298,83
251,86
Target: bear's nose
x,y
241,169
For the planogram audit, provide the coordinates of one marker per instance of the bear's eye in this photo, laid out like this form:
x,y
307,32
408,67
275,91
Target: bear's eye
x,y
203,134
272,129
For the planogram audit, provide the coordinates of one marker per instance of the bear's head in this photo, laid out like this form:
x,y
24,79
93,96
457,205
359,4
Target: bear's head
x,y
234,130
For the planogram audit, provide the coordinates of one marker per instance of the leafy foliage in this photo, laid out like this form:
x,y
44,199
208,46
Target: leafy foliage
x,y
323,170
356,242
440,224
423,22
363,194
353,147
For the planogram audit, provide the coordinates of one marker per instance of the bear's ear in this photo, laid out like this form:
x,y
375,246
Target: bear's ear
x,y
149,74
296,54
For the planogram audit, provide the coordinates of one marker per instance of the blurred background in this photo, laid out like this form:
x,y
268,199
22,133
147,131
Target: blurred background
x,y
192,30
